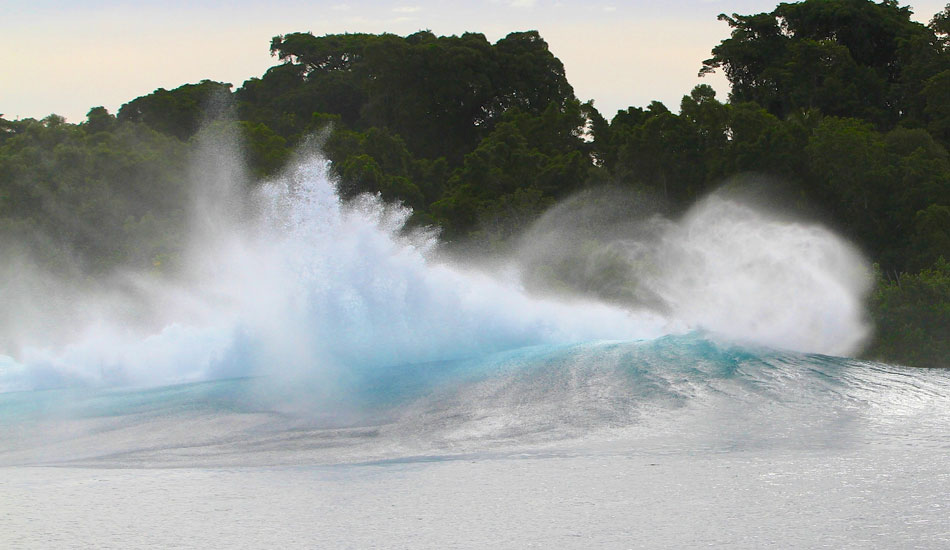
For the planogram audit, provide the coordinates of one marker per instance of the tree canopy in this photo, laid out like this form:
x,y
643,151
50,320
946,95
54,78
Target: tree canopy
x,y
849,58
419,85
847,102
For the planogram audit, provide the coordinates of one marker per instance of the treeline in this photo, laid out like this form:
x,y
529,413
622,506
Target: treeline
x,y
846,102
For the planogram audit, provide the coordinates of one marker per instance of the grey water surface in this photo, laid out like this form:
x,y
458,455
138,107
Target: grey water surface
x,y
676,442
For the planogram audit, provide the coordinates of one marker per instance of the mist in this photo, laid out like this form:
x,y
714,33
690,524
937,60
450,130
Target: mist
x,y
284,281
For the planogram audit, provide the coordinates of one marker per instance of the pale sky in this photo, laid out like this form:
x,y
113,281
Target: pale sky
x,y
64,57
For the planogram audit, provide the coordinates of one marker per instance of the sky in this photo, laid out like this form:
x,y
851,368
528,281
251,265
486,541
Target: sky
x,y
65,57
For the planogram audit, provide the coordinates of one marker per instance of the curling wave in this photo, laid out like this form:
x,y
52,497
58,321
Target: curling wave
x,y
663,395
292,285
305,329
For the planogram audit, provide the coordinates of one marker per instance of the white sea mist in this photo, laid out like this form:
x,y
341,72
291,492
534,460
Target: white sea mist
x,y
288,282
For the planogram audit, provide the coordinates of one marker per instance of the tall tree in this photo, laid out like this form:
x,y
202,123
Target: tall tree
x,y
446,93
179,112
847,58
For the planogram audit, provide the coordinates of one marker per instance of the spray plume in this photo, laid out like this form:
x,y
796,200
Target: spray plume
x,y
288,282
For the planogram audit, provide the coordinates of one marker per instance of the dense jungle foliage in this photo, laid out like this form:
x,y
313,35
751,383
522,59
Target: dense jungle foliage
x,y
846,102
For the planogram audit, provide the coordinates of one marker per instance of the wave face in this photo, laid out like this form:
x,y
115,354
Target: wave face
x,y
671,394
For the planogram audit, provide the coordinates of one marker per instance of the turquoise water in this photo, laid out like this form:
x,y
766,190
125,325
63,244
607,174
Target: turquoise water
x,y
675,392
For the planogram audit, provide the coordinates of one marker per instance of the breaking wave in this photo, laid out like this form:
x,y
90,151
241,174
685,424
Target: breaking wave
x,y
301,327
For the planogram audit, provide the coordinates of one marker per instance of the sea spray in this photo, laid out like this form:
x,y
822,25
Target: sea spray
x,y
314,290
739,272
291,284
749,277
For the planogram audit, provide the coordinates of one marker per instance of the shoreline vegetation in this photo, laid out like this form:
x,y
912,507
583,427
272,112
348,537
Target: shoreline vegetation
x,y
844,105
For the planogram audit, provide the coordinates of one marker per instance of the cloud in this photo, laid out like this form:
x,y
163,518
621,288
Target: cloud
x,y
407,9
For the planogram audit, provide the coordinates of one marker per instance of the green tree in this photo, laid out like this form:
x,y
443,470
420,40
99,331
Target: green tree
x,y
73,197
848,58
664,153
940,24
266,151
98,119
179,112
912,318
936,93
444,92
543,154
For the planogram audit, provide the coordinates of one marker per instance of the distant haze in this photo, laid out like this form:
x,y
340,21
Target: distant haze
x,y
66,57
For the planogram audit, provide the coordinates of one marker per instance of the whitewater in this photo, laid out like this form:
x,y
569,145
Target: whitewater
x,y
317,374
